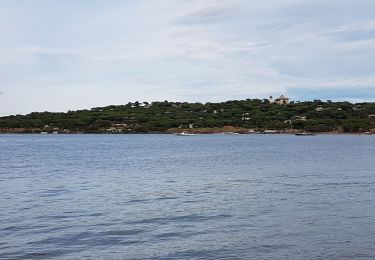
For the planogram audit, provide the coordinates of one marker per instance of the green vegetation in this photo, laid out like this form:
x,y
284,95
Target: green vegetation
x,y
314,116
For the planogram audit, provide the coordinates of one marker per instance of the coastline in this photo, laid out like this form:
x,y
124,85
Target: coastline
x,y
230,117
205,131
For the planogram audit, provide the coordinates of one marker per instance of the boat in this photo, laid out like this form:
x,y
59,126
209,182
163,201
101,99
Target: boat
x,y
184,134
304,134
271,132
230,133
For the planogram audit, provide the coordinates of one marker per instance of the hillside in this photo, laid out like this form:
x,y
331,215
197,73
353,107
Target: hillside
x,y
160,117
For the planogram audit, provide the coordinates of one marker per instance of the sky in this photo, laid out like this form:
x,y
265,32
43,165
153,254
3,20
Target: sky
x,y
75,54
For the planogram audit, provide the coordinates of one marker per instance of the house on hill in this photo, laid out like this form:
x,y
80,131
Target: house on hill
x,y
282,100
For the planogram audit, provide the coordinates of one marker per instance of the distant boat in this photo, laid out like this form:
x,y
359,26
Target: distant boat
x,y
43,133
184,134
304,134
230,133
271,132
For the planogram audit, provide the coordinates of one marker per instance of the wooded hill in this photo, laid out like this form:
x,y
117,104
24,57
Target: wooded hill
x,y
314,116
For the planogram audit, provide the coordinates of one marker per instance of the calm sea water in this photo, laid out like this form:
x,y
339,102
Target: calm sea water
x,y
200,197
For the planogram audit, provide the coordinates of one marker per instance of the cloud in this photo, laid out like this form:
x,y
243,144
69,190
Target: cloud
x,y
205,14
344,93
353,32
47,54
37,50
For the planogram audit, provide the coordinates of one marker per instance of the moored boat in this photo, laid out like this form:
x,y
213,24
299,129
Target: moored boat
x,y
184,134
304,134
230,133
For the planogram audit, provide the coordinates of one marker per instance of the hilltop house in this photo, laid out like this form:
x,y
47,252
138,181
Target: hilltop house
x,y
282,100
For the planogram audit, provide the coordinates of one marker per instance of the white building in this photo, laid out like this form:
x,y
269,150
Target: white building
x,y
282,100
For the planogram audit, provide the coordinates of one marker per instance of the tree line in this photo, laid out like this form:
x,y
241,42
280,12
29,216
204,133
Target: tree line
x,y
144,117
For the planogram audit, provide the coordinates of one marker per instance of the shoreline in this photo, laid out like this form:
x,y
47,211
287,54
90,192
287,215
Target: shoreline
x,y
226,130
167,133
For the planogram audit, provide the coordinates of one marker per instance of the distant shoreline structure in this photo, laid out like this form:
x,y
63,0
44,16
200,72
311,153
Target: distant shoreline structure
x,y
237,116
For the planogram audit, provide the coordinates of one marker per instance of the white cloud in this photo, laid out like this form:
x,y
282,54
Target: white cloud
x,y
37,50
205,14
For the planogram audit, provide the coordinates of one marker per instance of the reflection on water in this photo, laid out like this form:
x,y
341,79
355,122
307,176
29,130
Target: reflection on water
x,y
202,197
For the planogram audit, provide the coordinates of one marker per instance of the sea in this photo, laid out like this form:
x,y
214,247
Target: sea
x,y
187,197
